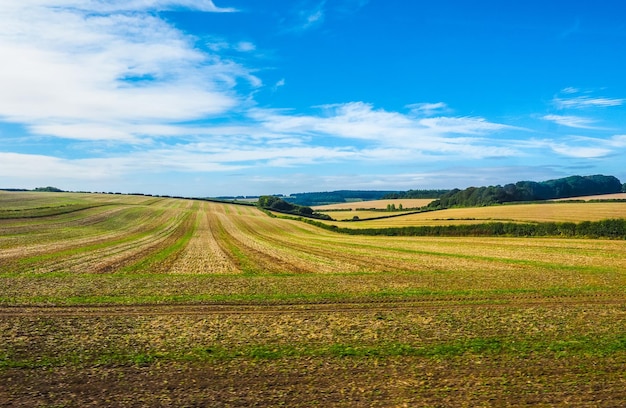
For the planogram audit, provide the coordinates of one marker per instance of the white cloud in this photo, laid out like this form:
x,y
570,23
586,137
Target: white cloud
x,y
581,152
245,46
618,141
109,6
68,64
581,102
428,109
280,83
571,121
358,121
313,18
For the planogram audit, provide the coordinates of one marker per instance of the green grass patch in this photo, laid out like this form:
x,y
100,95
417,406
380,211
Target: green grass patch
x,y
581,346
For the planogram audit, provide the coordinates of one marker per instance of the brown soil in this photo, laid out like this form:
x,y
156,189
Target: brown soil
x,y
324,382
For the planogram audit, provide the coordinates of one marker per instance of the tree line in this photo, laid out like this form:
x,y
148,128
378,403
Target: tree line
x,y
415,194
332,197
567,187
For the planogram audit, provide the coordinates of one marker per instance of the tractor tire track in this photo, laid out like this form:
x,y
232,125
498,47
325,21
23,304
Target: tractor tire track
x,y
348,306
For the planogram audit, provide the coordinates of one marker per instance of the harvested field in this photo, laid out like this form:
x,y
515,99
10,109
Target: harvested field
x,y
145,301
616,196
376,204
545,212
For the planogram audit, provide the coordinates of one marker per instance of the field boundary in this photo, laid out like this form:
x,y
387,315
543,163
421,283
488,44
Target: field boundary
x,y
613,228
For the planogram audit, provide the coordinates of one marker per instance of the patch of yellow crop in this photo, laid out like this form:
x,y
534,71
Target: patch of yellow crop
x,y
376,204
616,196
549,212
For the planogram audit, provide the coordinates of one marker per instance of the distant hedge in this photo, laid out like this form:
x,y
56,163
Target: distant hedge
x,y
610,228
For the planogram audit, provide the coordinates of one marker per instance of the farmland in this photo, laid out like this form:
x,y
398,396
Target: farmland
x,y
544,212
376,204
150,301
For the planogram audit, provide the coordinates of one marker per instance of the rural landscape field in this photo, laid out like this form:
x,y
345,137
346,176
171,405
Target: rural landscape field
x,y
132,300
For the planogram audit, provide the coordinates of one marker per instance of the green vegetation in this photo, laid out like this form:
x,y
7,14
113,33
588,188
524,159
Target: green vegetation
x,y
274,203
416,194
49,189
332,197
573,186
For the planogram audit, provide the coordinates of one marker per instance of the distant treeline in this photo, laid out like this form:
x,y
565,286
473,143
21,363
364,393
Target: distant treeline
x,y
416,194
567,187
611,228
333,197
48,189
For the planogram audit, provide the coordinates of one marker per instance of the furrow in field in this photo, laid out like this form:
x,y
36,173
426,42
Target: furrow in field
x,y
264,232
253,256
92,229
325,252
337,253
148,257
112,258
203,254
300,245
365,305
88,222
92,255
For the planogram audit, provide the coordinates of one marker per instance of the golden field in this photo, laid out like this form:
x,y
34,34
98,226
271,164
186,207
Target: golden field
x,y
407,203
544,212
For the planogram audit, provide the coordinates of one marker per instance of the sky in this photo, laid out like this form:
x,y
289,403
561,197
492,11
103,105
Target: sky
x,y
206,98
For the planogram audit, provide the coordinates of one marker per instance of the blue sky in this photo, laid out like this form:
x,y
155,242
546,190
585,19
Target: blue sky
x,y
243,97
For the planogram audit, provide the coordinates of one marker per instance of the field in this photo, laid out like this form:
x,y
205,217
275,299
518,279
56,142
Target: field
x,y
616,196
544,212
376,204
114,300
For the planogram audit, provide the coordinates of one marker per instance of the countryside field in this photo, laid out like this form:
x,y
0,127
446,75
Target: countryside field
x,y
118,300
544,212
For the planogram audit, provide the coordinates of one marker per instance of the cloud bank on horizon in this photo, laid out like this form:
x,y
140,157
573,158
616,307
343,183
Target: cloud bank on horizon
x,y
194,98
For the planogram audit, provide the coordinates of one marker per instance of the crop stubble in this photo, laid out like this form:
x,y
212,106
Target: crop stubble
x,y
333,319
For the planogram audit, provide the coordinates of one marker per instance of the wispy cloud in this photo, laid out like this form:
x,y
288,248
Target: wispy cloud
x,y
279,84
428,109
309,15
132,5
581,152
581,147
581,102
571,121
69,65
618,141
